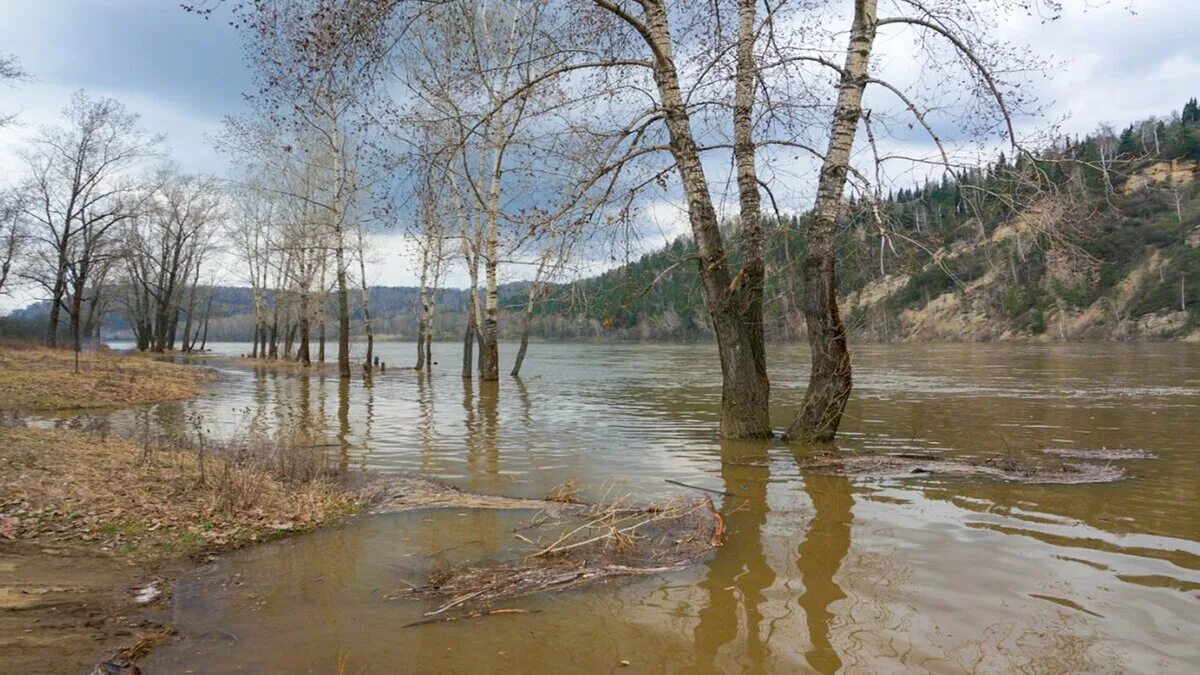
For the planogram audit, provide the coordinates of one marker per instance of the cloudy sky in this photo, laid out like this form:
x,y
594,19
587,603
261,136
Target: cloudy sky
x,y
183,73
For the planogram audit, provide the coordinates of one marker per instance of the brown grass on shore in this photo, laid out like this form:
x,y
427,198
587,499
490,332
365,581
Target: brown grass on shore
x,y
42,379
147,501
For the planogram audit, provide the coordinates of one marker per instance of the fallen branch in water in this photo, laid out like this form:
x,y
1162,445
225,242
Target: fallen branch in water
x,y
702,489
1004,468
473,615
612,539
453,603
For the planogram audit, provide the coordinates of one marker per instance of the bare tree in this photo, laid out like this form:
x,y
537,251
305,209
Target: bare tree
x,y
830,381
78,190
965,30
164,251
251,230
10,72
315,65
12,235
432,240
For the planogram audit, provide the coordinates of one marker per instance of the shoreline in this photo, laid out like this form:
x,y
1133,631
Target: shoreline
x,y
95,528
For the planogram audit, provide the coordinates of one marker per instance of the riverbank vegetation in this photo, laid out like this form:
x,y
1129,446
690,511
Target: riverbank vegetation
x,y
162,497
36,378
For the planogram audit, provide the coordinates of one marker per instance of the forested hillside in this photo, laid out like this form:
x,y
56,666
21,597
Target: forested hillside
x,y
1099,238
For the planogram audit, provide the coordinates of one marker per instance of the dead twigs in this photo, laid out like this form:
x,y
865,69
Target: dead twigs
x,y
473,615
611,539
702,489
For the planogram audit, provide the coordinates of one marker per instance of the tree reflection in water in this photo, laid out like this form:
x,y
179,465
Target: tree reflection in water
x,y
820,556
739,571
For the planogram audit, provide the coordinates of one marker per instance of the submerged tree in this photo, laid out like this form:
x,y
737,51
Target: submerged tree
x,y
315,62
163,251
623,98
941,27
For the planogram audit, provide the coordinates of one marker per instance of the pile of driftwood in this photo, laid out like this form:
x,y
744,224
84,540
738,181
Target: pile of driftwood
x,y
599,542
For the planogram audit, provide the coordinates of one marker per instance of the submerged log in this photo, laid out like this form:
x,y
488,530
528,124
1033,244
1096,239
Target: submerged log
x,y
998,468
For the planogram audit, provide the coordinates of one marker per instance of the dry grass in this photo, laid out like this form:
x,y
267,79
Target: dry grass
x,y
43,379
150,500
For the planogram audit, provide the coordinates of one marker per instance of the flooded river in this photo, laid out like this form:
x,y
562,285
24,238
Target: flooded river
x,y
819,573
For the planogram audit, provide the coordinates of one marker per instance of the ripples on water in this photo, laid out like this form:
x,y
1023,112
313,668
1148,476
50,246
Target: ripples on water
x,y
819,572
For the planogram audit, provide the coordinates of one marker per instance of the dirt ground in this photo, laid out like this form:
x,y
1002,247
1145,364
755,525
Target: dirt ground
x,y
63,610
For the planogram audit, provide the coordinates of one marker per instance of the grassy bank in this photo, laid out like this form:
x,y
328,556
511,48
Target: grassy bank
x,y
35,378
89,519
89,522
147,501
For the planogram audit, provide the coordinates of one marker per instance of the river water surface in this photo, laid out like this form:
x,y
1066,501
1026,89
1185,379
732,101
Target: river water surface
x,y
819,573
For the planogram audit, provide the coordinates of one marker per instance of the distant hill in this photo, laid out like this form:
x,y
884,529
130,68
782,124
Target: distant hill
x,y
981,255
393,308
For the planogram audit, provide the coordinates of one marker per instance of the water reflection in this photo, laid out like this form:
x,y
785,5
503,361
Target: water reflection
x,y
425,420
343,416
739,573
489,418
818,559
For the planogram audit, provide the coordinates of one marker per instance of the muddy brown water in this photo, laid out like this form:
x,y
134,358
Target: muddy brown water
x,y
820,573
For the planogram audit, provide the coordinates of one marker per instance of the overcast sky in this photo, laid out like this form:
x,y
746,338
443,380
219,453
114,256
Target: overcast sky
x,y
183,73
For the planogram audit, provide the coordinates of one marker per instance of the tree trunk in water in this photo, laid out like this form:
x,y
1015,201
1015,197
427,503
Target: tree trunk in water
x,y
830,381
302,354
533,292
289,340
273,352
516,371
172,328
343,294
187,332
468,344
366,312
489,356
204,334
204,322
187,325
489,361
321,340
423,298
745,390
746,290
420,345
